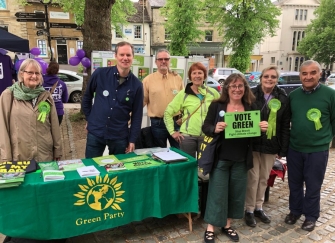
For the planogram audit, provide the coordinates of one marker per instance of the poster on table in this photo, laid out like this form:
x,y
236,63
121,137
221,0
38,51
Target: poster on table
x,y
242,124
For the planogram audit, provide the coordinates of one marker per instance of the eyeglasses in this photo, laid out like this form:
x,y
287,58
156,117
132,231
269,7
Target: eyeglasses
x,y
163,59
272,76
235,87
32,73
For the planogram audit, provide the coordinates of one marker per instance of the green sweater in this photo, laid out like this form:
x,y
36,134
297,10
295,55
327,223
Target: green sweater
x,y
303,137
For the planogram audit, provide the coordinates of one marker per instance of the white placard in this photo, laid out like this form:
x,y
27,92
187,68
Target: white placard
x,y
59,15
71,51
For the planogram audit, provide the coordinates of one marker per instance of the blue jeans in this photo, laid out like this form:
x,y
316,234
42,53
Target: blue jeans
x,y
95,146
160,133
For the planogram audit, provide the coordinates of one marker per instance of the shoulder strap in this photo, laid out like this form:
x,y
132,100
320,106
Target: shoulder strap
x,y
189,116
53,87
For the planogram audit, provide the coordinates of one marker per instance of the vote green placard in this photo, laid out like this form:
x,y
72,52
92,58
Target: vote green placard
x,y
242,124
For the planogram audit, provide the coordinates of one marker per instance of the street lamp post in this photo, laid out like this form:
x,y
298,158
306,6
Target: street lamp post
x,y
48,26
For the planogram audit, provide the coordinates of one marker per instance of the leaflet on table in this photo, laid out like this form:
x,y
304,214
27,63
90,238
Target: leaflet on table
x,y
69,165
17,166
115,166
150,150
50,171
11,179
88,171
103,160
142,164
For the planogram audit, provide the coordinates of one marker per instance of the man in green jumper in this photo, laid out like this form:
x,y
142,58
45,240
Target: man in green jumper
x,y
313,127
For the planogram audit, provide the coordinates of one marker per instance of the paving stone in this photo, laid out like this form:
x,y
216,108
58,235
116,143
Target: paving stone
x,y
281,229
330,229
287,239
307,241
322,232
180,240
294,235
162,238
315,237
333,238
274,232
192,237
267,236
184,231
257,239
245,232
173,234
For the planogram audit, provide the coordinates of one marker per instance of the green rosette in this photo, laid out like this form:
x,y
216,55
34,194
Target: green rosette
x,y
44,109
274,105
314,115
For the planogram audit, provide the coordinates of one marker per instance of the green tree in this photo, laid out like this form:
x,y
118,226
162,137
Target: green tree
x,y
96,18
243,24
183,18
319,41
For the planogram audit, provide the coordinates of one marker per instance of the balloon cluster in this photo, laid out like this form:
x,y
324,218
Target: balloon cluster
x,y
80,58
36,52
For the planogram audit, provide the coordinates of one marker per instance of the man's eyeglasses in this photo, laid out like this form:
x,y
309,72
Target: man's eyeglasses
x,y
235,87
163,59
272,76
32,73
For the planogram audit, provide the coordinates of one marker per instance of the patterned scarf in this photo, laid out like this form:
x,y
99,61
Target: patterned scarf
x,y
22,92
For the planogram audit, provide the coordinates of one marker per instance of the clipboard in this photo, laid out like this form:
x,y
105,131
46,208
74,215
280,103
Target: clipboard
x,y
169,156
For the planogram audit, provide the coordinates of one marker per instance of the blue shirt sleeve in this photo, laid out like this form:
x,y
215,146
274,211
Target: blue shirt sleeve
x,y
137,114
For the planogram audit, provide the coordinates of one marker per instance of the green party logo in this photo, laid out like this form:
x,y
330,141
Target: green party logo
x,y
100,194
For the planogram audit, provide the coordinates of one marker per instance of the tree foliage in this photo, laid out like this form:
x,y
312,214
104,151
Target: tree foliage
x,y
183,18
243,24
96,18
319,41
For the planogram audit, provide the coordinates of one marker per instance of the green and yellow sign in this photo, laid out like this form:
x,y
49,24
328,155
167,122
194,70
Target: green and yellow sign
x,y
242,124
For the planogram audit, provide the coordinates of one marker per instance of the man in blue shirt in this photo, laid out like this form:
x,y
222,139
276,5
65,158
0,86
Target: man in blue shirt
x,y
118,96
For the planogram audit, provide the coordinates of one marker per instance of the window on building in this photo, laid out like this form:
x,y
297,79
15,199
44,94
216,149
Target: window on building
x,y
296,64
137,31
298,38
208,35
3,5
273,60
139,49
39,25
303,35
301,13
42,44
293,41
305,14
296,14
290,64
119,31
167,36
261,61
80,45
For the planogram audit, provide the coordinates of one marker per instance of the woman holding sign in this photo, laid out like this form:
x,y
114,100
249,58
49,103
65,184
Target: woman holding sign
x,y
272,101
233,157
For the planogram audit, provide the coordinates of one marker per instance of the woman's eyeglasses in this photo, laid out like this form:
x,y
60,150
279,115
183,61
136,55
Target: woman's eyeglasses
x,y
32,73
235,87
163,59
268,76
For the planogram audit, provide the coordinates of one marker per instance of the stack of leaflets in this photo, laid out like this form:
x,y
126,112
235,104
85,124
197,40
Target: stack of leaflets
x,y
51,172
103,160
69,165
88,171
169,156
12,173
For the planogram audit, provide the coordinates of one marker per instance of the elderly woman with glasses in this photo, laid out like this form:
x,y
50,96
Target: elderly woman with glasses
x,y
273,103
29,125
233,158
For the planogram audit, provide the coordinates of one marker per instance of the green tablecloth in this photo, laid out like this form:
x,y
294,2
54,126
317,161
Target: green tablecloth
x,y
76,206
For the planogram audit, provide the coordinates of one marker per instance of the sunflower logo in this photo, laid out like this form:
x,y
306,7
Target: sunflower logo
x,y
100,194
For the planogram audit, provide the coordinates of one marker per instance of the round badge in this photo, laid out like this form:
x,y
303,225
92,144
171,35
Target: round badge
x,y
221,113
127,99
105,93
175,92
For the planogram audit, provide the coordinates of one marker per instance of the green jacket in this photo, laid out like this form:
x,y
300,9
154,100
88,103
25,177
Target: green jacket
x,y
187,102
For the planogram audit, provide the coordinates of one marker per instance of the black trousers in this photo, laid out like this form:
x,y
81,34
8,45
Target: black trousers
x,y
308,169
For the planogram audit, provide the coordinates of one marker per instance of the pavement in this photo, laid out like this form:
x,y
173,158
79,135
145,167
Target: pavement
x,y
173,229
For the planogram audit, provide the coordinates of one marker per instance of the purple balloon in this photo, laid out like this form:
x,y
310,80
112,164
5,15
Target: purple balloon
x,y
80,53
86,62
35,51
18,64
43,64
74,61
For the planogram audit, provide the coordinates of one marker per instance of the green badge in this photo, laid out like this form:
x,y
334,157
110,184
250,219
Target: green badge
x,y
127,99
314,115
274,105
44,109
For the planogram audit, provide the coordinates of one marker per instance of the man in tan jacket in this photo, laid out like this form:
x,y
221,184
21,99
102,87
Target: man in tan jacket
x,y
159,90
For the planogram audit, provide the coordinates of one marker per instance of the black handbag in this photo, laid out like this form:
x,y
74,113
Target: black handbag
x,y
206,155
